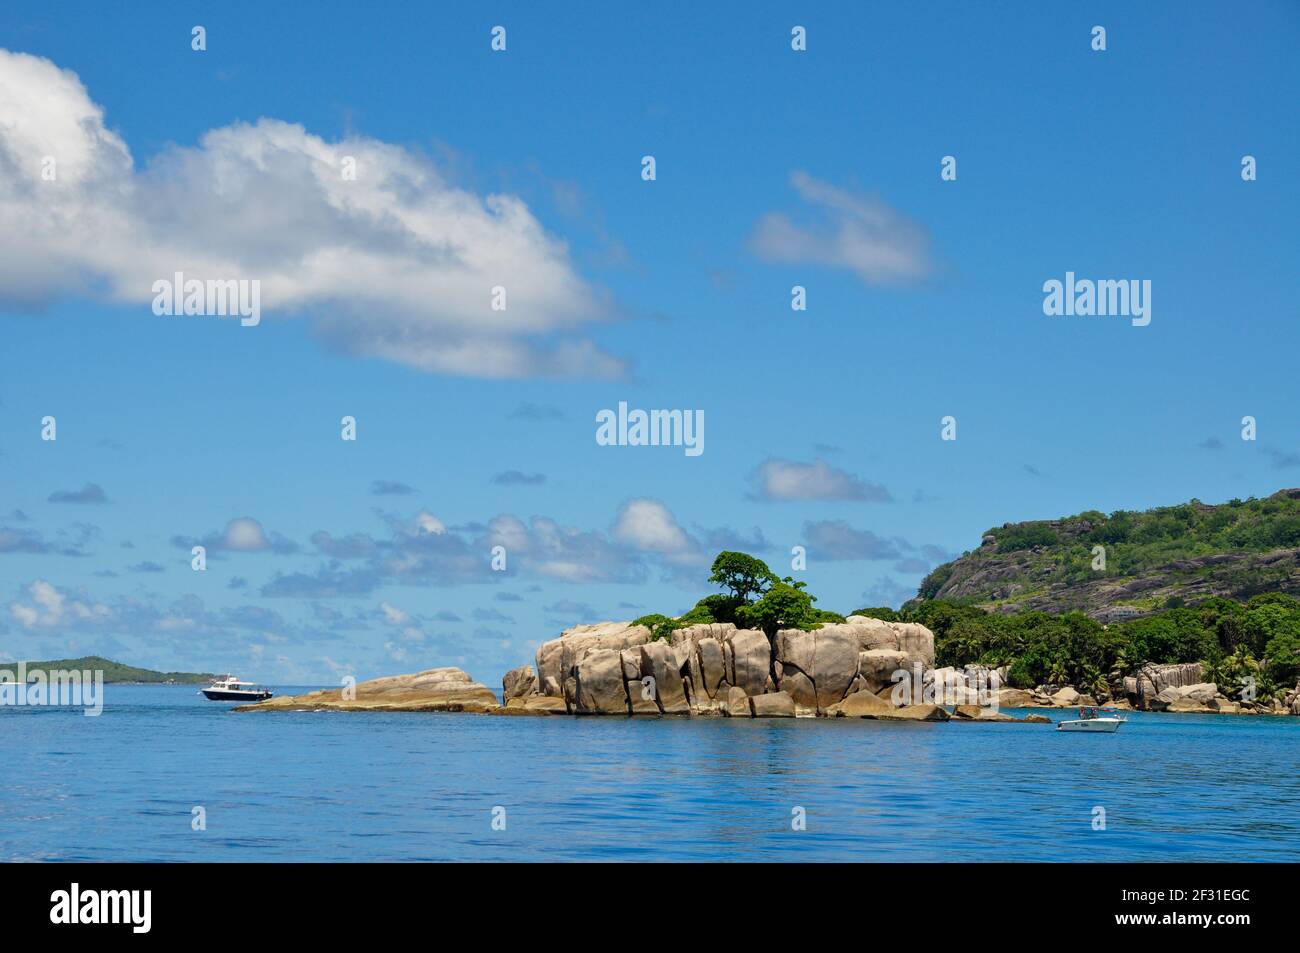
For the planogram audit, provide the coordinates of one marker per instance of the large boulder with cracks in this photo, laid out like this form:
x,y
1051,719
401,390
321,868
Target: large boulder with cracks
x,y
619,668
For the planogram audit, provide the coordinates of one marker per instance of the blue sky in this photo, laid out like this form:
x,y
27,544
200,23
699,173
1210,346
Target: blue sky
x,y
774,168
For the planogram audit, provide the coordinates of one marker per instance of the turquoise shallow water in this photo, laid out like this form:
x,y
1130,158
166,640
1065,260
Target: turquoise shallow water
x,y
343,786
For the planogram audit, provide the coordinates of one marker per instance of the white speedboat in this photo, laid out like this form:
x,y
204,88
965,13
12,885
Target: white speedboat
x,y
1093,719
230,689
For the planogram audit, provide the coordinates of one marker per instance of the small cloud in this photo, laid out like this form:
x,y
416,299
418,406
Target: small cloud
x,y
649,525
48,607
18,539
390,488
913,566
716,539
90,493
352,546
887,592
146,567
426,524
1211,443
517,478
785,480
568,609
241,535
837,540
325,583
1033,471
394,615
237,582
245,535
509,597
937,554
1283,461
857,232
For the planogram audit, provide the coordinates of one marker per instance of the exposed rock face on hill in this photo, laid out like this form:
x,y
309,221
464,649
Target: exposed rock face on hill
x,y
1047,565
437,689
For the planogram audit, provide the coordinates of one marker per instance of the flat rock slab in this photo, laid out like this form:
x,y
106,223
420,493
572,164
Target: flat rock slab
x,y
915,713
774,705
861,705
976,713
534,705
435,689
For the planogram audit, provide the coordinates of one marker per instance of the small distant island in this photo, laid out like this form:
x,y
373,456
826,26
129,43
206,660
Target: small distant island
x,y
114,672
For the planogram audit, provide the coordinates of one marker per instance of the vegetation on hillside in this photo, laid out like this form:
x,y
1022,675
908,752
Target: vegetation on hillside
x,y
113,671
1233,640
1136,543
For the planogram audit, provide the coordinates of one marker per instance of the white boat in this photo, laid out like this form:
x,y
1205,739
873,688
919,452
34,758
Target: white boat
x,y
1092,719
227,688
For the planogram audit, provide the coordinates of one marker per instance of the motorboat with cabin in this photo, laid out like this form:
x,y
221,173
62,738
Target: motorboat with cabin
x,y
228,688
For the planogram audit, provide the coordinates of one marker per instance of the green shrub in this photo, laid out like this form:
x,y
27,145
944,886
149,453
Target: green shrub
x,y
660,626
1026,536
825,615
883,613
784,606
933,582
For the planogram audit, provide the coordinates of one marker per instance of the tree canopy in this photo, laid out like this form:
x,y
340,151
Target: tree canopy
x,y
744,575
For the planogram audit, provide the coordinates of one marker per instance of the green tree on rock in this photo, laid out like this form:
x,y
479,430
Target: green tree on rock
x,y
744,575
785,605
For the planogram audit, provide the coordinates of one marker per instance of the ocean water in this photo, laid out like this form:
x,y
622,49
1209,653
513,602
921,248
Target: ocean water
x,y
416,787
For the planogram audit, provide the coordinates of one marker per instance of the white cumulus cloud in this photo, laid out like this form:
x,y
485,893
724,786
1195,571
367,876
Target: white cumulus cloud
x,y
780,480
397,263
48,607
651,526
394,615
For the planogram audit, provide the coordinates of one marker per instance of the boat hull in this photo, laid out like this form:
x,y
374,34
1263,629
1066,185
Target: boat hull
x,y
1091,725
225,695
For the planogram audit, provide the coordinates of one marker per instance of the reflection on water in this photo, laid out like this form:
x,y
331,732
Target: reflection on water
x,y
326,786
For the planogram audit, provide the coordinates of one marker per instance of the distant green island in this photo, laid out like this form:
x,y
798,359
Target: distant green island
x,y
116,671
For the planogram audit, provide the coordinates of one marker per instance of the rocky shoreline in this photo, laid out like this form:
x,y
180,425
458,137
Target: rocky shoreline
x,y
849,670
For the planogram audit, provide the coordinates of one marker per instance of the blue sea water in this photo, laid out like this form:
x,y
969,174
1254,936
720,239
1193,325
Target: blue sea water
x,y
413,787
